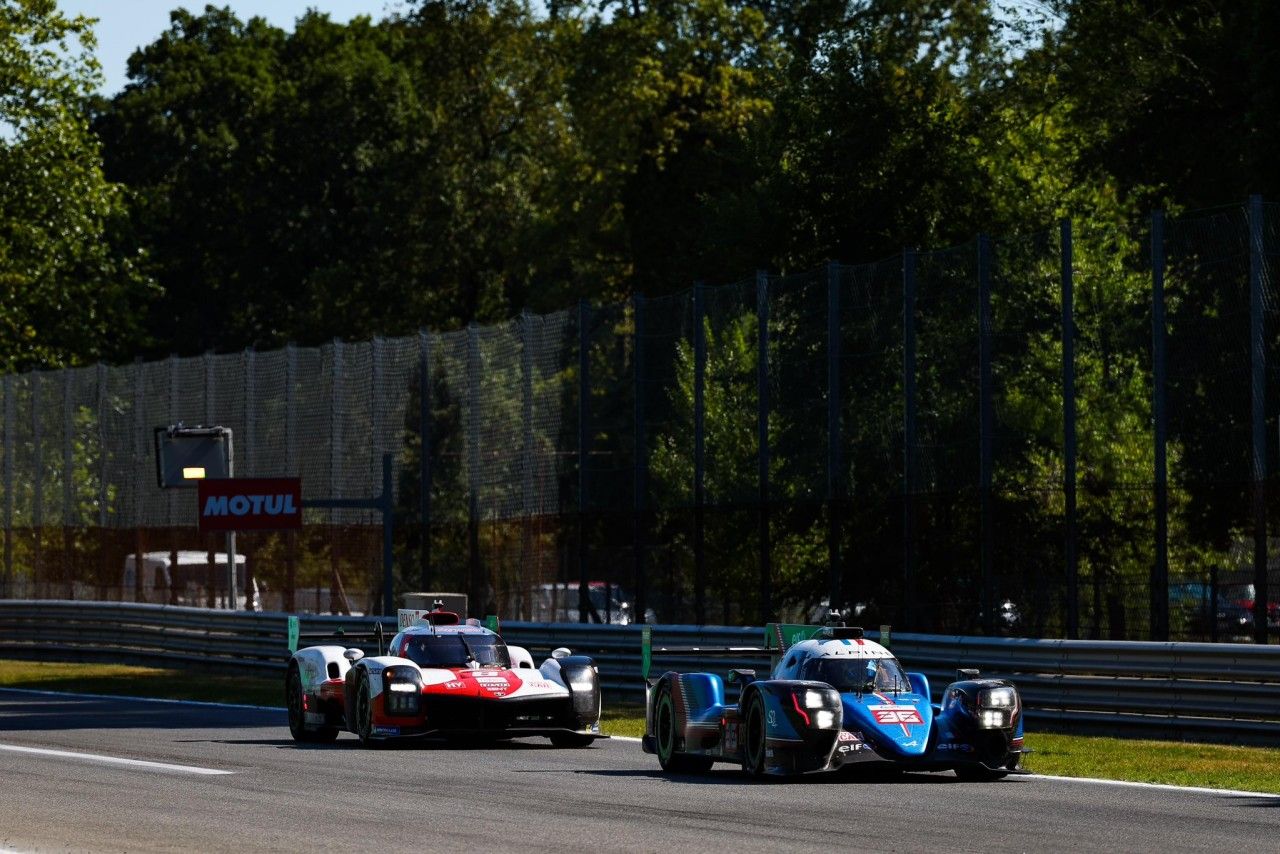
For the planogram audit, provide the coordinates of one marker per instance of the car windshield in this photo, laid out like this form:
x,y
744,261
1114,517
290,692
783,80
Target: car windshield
x,y
456,650
857,674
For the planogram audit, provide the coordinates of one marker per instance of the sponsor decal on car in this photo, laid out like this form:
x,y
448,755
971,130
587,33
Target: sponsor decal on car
x,y
386,730
847,735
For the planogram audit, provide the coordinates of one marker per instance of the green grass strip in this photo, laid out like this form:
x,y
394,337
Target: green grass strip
x,y
1251,769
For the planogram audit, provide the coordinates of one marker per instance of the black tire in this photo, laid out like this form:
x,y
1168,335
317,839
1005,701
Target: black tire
x,y
664,725
297,716
753,737
979,773
362,713
570,739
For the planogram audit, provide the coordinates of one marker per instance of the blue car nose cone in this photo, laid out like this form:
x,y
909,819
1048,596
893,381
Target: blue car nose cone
x,y
898,724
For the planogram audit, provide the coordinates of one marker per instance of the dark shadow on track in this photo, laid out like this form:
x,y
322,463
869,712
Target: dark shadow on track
x,y
40,712
729,776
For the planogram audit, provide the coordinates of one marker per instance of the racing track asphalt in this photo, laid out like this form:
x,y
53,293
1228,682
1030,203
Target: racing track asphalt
x,y
523,796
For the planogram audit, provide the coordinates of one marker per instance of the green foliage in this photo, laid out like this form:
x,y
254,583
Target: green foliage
x,y
66,283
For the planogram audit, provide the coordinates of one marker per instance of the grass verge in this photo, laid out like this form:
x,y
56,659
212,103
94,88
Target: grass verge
x,y
1253,769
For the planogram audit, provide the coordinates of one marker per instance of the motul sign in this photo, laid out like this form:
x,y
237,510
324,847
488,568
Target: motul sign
x,y
249,504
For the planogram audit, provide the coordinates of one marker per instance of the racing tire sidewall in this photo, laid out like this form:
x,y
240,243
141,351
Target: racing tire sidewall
x,y
364,711
664,725
753,748
293,701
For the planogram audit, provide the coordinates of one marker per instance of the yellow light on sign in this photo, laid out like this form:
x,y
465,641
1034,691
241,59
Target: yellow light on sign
x,y
193,473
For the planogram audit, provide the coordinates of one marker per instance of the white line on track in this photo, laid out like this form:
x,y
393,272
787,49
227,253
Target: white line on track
x,y
114,760
1235,793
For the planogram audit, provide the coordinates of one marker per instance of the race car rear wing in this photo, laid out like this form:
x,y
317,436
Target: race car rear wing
x,y
778,638
405,617
339,636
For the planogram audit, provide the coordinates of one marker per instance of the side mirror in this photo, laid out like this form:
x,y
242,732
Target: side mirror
x,y
353,655
561,652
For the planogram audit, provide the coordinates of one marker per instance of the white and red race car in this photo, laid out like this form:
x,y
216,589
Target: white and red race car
x,y
441,676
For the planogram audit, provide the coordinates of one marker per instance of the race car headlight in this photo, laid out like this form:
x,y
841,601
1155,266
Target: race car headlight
x,y
996,707
814,700
998,698
993,718
824,719
403,695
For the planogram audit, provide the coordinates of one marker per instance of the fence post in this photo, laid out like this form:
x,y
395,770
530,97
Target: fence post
x,y
9,418
1069,428
584,443
835,483
986,420
248,448
139,457
909,436
291,468
699,457
474,590
1159,597
424,457
100,375
376,375
641,480
337,482
762,443
68,475
1258,385
37,482
526,452
101,372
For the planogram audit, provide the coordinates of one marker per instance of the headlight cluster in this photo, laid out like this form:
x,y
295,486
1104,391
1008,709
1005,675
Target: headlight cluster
x,y
996,707
403,694
817,706
584,687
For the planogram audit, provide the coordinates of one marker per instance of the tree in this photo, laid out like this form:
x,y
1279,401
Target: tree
x,y
68,280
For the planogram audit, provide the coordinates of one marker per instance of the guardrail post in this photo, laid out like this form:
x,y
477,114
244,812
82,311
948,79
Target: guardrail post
x,y
1066,252
1258,389
1159,596
909,437
699,451
986,421
762,443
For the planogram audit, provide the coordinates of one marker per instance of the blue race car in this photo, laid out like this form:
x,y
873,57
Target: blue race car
x,y
834,700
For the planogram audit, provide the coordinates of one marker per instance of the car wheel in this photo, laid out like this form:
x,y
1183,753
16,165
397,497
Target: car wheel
x,y
364,712
297,714
753,746
979,773
570,739
665,732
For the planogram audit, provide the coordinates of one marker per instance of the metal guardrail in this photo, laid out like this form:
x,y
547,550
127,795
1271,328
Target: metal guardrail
x,y
1169,690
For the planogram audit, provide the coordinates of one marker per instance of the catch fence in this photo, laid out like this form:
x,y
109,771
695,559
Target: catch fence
x,y
1058,434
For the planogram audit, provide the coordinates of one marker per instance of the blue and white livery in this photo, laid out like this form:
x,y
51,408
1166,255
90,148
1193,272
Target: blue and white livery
x,y
833,701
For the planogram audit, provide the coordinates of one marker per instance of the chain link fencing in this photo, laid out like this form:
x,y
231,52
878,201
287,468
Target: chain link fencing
x,y
1052,434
